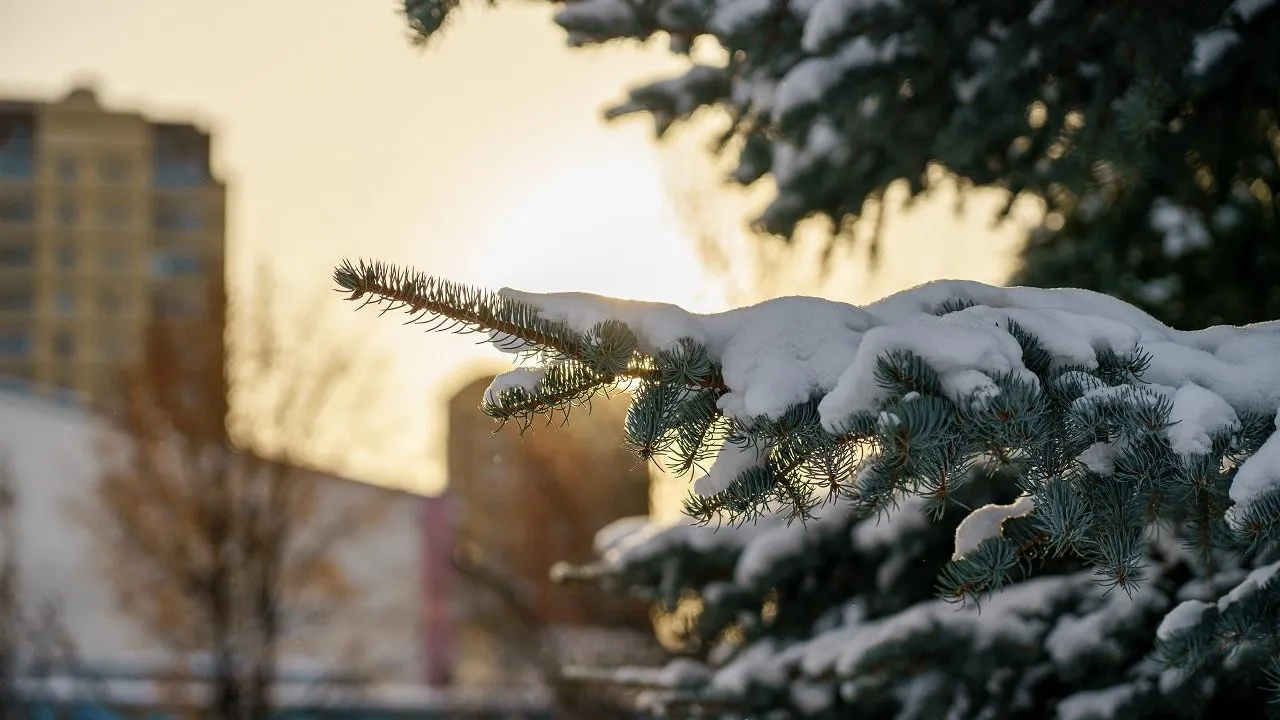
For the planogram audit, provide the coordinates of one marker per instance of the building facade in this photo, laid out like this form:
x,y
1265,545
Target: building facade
x,y
107,220
372,652
523,502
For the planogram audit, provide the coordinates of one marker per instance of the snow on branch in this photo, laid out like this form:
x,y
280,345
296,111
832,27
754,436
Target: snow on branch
x,y
1112,419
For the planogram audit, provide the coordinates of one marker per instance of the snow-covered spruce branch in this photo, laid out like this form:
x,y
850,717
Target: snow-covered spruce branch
x,y
1113,420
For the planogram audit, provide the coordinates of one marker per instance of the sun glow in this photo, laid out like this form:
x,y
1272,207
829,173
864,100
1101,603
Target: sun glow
x,y
603,225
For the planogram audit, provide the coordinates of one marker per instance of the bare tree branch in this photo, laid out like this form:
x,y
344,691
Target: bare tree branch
x,y
219,539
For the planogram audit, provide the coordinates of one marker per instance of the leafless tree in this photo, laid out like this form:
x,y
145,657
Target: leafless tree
x,y
34,641
220,538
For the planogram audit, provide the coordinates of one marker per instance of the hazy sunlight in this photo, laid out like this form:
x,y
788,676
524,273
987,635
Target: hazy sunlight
x,y
602,225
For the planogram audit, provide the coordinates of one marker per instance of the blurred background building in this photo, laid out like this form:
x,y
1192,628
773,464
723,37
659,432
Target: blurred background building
x,y
106,220
111,222
525,501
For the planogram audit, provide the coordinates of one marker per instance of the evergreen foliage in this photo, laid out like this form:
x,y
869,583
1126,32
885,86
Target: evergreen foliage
x,y
1151,133
1122,561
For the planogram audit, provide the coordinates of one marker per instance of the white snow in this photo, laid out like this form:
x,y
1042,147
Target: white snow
x,y
917,690
987,522
1101,396
657,325
811,79
967,89
1013,615
811,698
618,531
1184,615
824,144
1102,704
1041,12
1158,290
786,351
1249,9
1183,228
963,352
734,16
1260,473
762,556
757,664
524,378
1209,47
887,530
662,539
830,19
1070,337
1256,580
1077,639
1100,458
731,461
1196,416
678,671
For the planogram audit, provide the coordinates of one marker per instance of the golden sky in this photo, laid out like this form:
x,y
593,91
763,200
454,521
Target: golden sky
x,y
481,157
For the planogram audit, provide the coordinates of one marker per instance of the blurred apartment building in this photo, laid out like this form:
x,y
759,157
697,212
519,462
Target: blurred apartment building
x,y
521,503
374,651
110,221
107,220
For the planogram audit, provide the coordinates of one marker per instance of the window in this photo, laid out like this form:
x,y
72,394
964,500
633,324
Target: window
x,y
15,256
66,301
116,214
111,300
16,209
63,344
14,298
115,170
173,263
67,170
66,212
17,153
66,256
14,342
114,258
181,156
178,217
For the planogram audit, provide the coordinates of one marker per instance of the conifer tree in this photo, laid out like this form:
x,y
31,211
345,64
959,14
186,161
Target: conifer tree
x,y
1152,134
1107,489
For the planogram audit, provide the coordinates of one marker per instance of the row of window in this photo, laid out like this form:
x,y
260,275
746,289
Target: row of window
x,y
114,214
170,169
164,263
112,170
114,259
109,300
17,152
16,343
